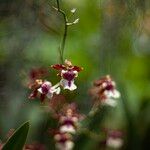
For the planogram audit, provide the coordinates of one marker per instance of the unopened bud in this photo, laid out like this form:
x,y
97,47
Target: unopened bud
x,y
76,21
73,10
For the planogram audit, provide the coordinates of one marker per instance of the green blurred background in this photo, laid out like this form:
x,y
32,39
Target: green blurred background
x,y
112,37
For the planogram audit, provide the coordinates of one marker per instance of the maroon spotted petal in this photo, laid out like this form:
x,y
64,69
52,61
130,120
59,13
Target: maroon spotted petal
x,y
58,67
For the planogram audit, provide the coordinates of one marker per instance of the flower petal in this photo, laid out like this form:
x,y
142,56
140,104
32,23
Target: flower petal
x,y
67,128
109,102
58,67
68,84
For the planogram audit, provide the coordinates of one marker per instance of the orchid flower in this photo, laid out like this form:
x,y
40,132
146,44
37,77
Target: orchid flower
x,y
105,90
68,73
47,90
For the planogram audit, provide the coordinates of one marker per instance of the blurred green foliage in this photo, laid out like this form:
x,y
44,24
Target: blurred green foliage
x,y
18,139
112,37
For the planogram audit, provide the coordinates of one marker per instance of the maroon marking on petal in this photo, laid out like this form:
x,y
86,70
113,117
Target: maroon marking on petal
x,y
58,67
109,86
45,87
63,140
69,75
68,121
69,83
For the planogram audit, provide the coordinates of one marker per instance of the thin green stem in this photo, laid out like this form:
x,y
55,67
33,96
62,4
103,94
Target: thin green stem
x,y
62,45
58,4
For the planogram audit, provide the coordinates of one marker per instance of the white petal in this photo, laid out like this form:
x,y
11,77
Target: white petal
x,y
52,91
40,90
58,90
109,102
115,143
55,90
65,84
64,71
69,145
112,94
73,10
108,93
48,83
67,128
75,72
76,21
116,94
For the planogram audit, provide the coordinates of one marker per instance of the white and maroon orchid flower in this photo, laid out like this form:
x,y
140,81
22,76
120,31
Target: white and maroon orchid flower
x,y
43,89
47,90
69,119
68,124
105,90
68,73
114,139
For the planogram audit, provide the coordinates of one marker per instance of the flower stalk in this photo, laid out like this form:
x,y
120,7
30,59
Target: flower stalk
x,y
62,45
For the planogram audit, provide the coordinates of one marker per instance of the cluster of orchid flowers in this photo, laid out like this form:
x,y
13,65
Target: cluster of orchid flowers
x,y
68,124
45,89
103,91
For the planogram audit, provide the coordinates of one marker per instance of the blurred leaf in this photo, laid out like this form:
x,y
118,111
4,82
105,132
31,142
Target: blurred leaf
x,y
17,140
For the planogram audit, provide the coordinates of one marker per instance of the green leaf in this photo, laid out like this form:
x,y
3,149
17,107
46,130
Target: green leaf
x,y
18,139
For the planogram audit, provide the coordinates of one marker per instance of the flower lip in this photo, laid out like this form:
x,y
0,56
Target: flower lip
x,y
68,84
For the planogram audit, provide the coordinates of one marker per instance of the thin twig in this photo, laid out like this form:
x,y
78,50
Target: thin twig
x,y
62,45
58,4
